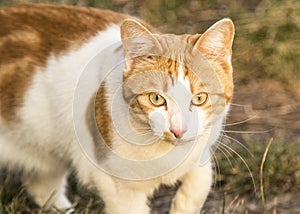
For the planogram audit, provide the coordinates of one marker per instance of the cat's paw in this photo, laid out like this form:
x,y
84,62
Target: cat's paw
x,y
184,207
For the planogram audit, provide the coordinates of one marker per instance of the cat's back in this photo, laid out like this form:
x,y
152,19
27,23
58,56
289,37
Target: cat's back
x,y
55,23
42,29
36,31
31,34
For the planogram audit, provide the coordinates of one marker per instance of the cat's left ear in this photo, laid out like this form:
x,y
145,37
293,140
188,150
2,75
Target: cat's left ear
x,y
218,39
137,39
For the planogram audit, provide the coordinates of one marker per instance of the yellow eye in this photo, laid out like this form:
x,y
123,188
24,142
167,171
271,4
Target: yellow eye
x,y
199,99
157,99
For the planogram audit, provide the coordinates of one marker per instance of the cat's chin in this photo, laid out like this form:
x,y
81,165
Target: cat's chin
x,y
171,141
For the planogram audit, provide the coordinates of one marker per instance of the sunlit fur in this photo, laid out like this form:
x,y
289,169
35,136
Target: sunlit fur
x,y
39,73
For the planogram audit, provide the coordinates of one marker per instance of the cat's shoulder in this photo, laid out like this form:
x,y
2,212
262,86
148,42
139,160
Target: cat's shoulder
x,y
31,34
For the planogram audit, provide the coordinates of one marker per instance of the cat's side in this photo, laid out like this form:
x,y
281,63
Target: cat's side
x,y
157,116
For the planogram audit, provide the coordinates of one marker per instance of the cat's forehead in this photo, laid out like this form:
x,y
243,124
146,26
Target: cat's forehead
x,y
175,56
185,82
163,74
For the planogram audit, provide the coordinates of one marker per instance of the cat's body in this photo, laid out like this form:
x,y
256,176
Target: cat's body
x,y
44,50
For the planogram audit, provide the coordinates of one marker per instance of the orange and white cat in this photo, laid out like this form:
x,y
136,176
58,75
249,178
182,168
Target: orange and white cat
x,y
157,116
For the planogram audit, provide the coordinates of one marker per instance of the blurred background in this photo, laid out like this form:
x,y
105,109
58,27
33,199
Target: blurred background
x,y
264,120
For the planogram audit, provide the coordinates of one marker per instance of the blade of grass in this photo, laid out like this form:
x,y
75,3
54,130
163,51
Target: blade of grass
x,y
224,203
261,173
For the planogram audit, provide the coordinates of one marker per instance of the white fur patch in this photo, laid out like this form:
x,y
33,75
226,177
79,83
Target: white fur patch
x,y
183,79
44,139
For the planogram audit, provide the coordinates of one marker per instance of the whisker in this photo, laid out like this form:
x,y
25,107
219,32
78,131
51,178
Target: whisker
x,y
131,135
143,129
244,162
134,133
239,143
217,168
247,132
241,122
221,148
143,132
240,105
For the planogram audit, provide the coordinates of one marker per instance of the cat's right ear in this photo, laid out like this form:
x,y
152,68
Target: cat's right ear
x,y
218,39
137,39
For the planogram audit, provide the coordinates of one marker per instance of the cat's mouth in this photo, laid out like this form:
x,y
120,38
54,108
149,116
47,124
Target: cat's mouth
x,y
168,137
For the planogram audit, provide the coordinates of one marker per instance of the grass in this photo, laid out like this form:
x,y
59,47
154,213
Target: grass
x,y
261,171
274,166
14,199
280,170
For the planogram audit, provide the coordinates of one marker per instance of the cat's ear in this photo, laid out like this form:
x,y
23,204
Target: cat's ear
x,y
133,28
218,39
137,39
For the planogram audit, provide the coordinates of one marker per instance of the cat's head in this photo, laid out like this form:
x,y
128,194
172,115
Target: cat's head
x,y
177,87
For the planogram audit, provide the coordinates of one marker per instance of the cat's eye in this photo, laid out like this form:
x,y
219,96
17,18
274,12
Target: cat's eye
x,y
157,99
199,99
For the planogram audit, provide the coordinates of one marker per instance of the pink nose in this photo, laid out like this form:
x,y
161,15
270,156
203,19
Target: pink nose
x,y
178,133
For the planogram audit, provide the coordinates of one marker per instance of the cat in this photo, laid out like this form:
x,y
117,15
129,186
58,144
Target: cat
x,y
151,120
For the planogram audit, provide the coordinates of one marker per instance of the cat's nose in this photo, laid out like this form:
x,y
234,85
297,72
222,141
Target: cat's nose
x,y
178,133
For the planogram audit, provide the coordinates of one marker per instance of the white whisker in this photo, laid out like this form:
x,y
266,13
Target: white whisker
x,y
240,105
244,162
241,122
142,129
222,149
247,132
239,143
217,168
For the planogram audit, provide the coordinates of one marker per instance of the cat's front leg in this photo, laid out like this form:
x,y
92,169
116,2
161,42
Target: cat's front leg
x,y
48,189
120,196
121,199
192,194
127,201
